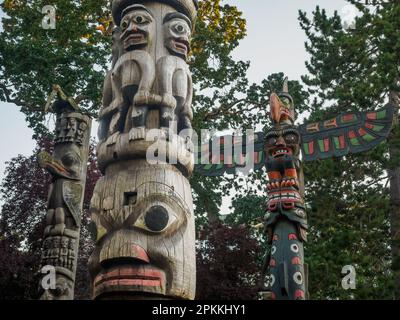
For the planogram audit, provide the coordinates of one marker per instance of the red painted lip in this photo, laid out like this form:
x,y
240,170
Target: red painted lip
x,y
280,151
140,275
181,45
135,38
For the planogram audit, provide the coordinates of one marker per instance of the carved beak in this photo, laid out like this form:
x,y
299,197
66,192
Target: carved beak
x,y
279,111
48,162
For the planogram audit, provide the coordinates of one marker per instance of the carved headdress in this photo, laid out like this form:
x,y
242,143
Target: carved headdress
x,y
282,106
187,7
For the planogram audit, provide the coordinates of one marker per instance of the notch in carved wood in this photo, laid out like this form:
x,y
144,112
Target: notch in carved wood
x,y
130,198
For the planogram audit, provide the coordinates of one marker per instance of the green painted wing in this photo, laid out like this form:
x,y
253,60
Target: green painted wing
x,y
347,133
230,154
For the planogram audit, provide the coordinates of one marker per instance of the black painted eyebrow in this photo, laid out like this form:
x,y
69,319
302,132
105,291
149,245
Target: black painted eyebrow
x,y
291,130
173,15
134,7
272,133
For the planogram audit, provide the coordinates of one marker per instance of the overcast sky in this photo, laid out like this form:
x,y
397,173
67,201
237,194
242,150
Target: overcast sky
x,y
274,43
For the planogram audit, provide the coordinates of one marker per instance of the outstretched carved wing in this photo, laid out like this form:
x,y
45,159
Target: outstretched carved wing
x,y
347,133
229,154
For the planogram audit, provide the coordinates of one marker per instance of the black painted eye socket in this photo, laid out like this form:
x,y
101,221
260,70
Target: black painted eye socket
x,y
291,138
272,141
180,28
156,219
69,159
139,19
124,25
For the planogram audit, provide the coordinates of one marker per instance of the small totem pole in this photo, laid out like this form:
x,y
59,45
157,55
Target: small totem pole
x,y
143,210
67,167
284,275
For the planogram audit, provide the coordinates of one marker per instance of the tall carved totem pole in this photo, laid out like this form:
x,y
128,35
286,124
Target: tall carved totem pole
x,y
286,220
143,210
285,275
67,167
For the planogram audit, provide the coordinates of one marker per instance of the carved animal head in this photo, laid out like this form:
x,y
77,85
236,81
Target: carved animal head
x,y
282,106
69,157
177,33
137,27
282,141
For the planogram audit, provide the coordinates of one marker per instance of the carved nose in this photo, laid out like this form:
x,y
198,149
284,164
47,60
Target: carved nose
x,y
137,252
281,142
132,27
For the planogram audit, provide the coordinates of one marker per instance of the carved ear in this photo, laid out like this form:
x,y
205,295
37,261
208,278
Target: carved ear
x,y
275,104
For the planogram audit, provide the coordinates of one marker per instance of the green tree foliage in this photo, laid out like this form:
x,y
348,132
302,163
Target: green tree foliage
x,y
75,55
352,69
32,59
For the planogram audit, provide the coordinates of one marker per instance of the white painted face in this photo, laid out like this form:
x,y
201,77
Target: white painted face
x,y
177,35
137,29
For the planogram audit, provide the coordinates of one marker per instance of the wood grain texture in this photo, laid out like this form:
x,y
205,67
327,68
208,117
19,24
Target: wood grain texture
x,y
143,206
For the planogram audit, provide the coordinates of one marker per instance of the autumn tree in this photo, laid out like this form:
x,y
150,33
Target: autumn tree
x,y
24,195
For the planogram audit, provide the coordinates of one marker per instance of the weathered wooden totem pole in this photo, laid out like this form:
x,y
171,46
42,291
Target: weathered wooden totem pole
x,y
67,167
278,149
142,206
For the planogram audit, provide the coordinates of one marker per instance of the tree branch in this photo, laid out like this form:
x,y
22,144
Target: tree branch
x,y
224,110
7,94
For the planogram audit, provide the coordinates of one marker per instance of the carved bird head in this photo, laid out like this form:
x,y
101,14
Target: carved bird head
x,y
282,107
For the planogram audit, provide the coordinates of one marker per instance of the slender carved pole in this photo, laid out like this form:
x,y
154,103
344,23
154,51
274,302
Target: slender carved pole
x,y
143,210
286,221
67,166
394,174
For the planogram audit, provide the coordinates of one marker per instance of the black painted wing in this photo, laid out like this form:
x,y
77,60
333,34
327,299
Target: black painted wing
x,y
230,154
347,133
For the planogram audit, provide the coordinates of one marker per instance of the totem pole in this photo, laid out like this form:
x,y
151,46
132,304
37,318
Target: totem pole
x,y
142,206
67,167
278,149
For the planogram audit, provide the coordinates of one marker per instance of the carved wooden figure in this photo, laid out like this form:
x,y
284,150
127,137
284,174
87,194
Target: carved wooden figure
x,y
67,166
143,210
278,150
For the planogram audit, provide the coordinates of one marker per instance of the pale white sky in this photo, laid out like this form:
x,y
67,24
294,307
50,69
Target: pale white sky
x,y
275,43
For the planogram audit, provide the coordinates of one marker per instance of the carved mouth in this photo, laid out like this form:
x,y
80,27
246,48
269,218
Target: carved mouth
x,y
280,152
134,39
133,278
181,45
287,198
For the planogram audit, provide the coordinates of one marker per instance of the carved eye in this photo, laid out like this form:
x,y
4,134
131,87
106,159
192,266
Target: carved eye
x,y
180,28
155,220
141,19
69,160
272,140
291,138
124,25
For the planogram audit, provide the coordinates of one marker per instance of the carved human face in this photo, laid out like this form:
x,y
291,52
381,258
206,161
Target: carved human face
x,y
281,141
145,244
177,35
137,25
